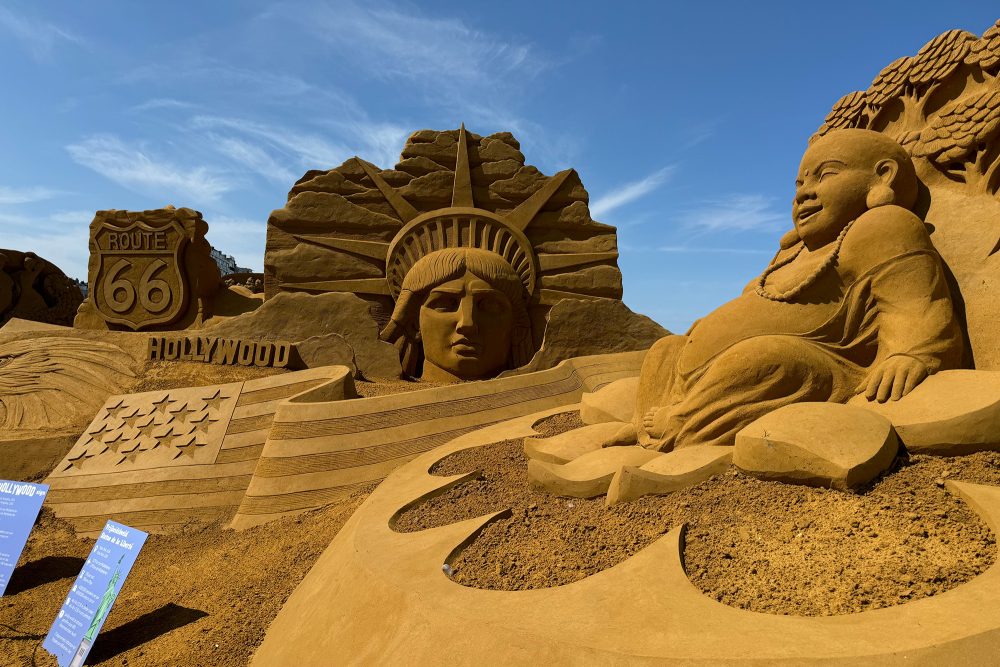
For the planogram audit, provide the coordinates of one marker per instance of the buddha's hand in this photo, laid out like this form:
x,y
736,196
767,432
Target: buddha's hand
x,y
894,378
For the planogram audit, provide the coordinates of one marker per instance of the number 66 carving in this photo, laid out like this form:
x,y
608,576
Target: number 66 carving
x,y
120,293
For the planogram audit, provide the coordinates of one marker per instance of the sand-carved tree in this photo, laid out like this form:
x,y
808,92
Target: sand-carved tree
x,y
986,51
911,82
851,110
963,140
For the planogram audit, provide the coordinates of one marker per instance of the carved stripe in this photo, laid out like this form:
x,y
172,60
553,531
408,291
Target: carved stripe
x,y
419,413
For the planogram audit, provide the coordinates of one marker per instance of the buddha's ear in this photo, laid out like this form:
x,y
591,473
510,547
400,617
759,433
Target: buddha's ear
x,y
881,192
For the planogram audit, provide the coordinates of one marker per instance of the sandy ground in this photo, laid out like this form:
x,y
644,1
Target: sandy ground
x,y
762,546
200,596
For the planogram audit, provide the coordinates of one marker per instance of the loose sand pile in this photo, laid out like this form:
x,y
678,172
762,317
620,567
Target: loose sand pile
x,y
762,546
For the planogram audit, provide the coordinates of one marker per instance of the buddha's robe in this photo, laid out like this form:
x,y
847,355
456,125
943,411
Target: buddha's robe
x,y
886,295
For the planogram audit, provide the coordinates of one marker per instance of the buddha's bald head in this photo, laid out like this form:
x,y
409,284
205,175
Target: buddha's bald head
x,y
870,149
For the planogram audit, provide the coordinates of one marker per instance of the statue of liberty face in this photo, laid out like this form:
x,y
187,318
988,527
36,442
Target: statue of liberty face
x,y
465,327
465,309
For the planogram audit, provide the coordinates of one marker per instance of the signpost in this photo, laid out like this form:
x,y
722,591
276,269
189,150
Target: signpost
x,y
94,591
19,506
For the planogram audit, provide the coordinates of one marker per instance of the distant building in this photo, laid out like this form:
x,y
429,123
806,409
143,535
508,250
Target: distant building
x,y
227,263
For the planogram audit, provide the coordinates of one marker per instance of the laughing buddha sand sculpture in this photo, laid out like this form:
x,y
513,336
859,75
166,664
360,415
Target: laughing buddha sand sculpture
x,y
855,301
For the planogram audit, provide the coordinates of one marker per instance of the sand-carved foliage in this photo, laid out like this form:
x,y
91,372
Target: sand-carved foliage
x,y
940,104
961,140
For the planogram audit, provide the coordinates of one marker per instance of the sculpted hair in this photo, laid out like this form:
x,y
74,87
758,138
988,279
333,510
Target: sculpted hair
x,y
440,267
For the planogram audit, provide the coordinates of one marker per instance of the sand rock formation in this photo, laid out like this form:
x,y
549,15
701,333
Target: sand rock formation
x,y
819,444
298,317
32,288
149,270
577,328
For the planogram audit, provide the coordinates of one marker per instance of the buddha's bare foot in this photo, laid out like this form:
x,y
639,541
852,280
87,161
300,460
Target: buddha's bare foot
x,y
624,437
656,422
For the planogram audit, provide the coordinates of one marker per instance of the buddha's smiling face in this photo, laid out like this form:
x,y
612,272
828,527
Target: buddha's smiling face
x,y
465,328
834,179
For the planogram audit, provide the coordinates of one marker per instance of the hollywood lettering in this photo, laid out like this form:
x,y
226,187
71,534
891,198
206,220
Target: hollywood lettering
x,y
223,351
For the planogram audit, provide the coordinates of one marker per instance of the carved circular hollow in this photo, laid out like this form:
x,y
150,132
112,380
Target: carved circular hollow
x,y
459,227
390,586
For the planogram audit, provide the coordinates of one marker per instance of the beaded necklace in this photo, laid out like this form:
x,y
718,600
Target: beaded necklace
x,y
787,297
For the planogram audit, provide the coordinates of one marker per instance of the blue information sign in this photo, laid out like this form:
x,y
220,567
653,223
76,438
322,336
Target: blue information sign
x,y
93,593
19,506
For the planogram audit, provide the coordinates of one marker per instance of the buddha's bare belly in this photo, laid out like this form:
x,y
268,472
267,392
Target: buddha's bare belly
x,y
749,316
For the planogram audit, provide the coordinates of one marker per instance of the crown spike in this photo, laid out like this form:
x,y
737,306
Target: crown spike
x,y
462,192
522,216
403,208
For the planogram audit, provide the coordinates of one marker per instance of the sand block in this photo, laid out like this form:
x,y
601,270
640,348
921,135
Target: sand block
x,y
818,444
590,474
673,471
570,445
949,414
614,402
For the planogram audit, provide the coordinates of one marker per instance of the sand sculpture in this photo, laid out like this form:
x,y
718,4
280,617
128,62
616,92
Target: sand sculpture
x,y
149,270
460,230
32,288
877,299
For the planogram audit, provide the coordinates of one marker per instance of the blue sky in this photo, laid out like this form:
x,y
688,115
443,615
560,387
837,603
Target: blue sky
x,y
686,120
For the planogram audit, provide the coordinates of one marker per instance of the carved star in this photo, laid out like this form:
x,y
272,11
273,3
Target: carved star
x,y
118,408
171,437
114,443
202,425
161,405
189,450
128,457
128,450
183,413
146,430
78,461
214,402
133,418
104,427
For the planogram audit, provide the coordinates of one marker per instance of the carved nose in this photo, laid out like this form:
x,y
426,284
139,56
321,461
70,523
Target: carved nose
x,y
804,194
466,320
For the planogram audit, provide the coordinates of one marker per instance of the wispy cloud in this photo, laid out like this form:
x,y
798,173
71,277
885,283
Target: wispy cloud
x,y
737,212
134,168
254,158
39,37
26,195
163,103
60,237
304,147
684,249
389,42
630,192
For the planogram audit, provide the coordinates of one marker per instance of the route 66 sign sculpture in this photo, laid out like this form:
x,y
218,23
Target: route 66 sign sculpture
x,y
140,282
149,271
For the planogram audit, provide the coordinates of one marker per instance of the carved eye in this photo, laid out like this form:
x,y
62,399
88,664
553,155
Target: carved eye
x,y
827,172
443,303
491,303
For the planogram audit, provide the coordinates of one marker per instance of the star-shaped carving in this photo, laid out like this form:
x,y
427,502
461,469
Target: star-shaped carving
x,y
172,437
202,425
183,413
134,417
214,402
161,405
78,461
146,430
115,410
115,443
104,427
190,449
